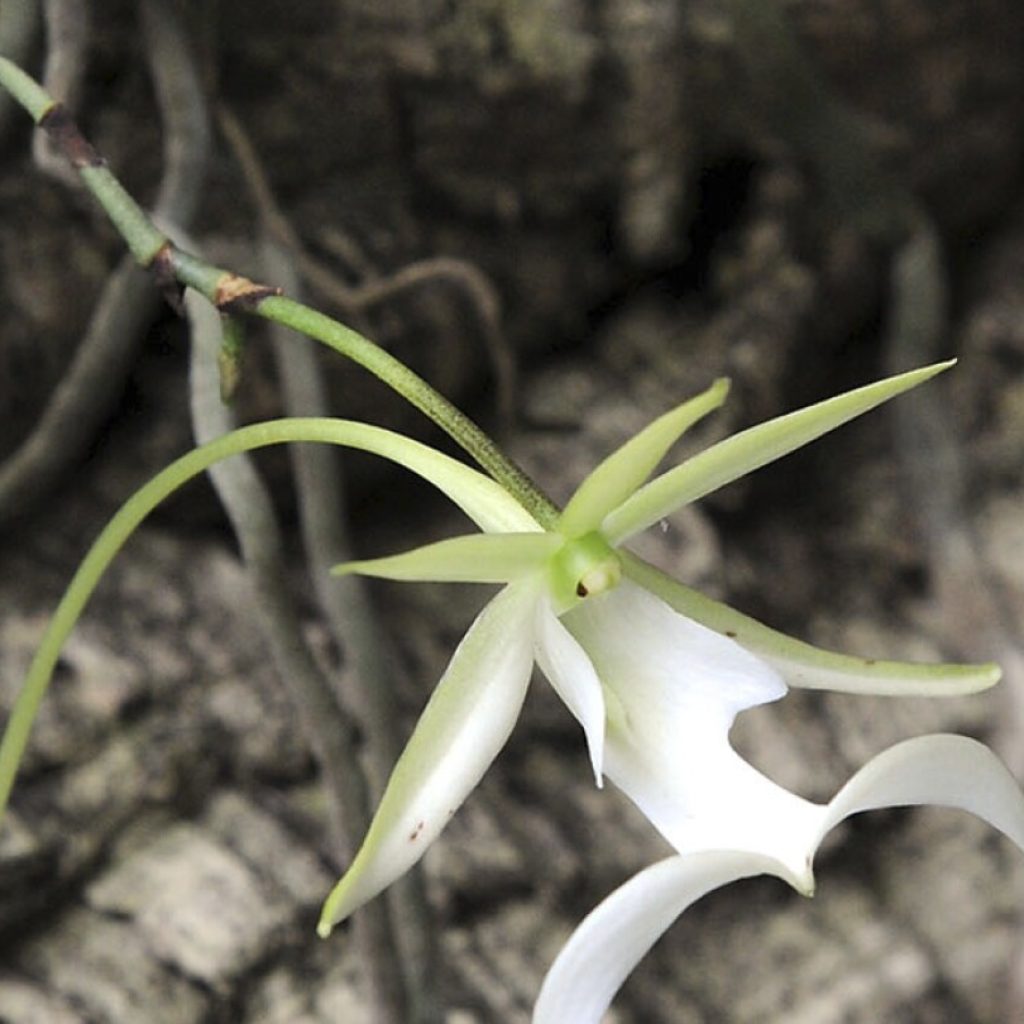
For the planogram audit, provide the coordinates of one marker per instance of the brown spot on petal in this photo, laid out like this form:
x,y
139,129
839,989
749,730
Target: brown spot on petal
x,y
415,833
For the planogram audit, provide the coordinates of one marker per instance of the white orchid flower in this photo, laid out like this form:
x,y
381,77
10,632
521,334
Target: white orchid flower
x,y
655,673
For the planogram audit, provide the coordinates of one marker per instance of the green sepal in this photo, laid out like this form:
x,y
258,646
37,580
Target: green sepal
x,y
471,558
622,472
750,449
807,667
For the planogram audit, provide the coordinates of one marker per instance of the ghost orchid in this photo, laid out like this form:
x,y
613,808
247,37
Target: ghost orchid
x,y
655,674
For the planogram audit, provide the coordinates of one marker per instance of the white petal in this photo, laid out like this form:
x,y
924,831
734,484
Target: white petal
x,y
750,449
612,938
622,472
651,654
802,665
672,690
568,669
939,770
465,724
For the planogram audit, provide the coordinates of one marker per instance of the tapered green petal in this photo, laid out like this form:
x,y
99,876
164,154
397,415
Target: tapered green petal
x,y
488,504
619,475
472,558
465,724
808,667
748,450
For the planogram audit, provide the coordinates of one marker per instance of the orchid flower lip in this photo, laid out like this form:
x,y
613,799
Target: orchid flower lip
x,y
938,770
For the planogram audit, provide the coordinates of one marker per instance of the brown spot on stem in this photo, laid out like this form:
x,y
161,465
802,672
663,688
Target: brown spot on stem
x,y
162,266
235,291
415,833
731,634
60,126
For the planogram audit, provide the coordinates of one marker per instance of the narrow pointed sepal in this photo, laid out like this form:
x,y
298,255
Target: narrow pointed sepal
x,y
622,472
613,938
486,502
750,449
472,558
465,724
804,666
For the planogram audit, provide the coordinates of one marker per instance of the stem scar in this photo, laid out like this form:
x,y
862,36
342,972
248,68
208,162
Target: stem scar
x,y
234,290
60,126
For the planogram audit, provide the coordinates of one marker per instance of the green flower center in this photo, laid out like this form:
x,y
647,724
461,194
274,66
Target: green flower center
x,y
583,567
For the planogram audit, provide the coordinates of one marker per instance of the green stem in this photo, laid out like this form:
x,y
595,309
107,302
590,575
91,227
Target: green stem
x,y
132,222
25,90
226,290
113,537
415,390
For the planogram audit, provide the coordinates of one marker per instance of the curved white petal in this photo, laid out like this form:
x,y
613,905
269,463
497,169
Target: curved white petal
x,y
622,472
750,449
568,669
802,665
939,770
472,558
465,724
612,939
672,689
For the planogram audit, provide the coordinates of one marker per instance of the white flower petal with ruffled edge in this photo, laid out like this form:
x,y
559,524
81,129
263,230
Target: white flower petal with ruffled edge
x,y
672,690
464,725
571,674
654,658
471,558
748,450
622,472
804,666
613,938
941,771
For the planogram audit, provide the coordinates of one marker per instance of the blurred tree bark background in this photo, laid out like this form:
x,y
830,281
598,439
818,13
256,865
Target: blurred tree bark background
x,y
568,215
